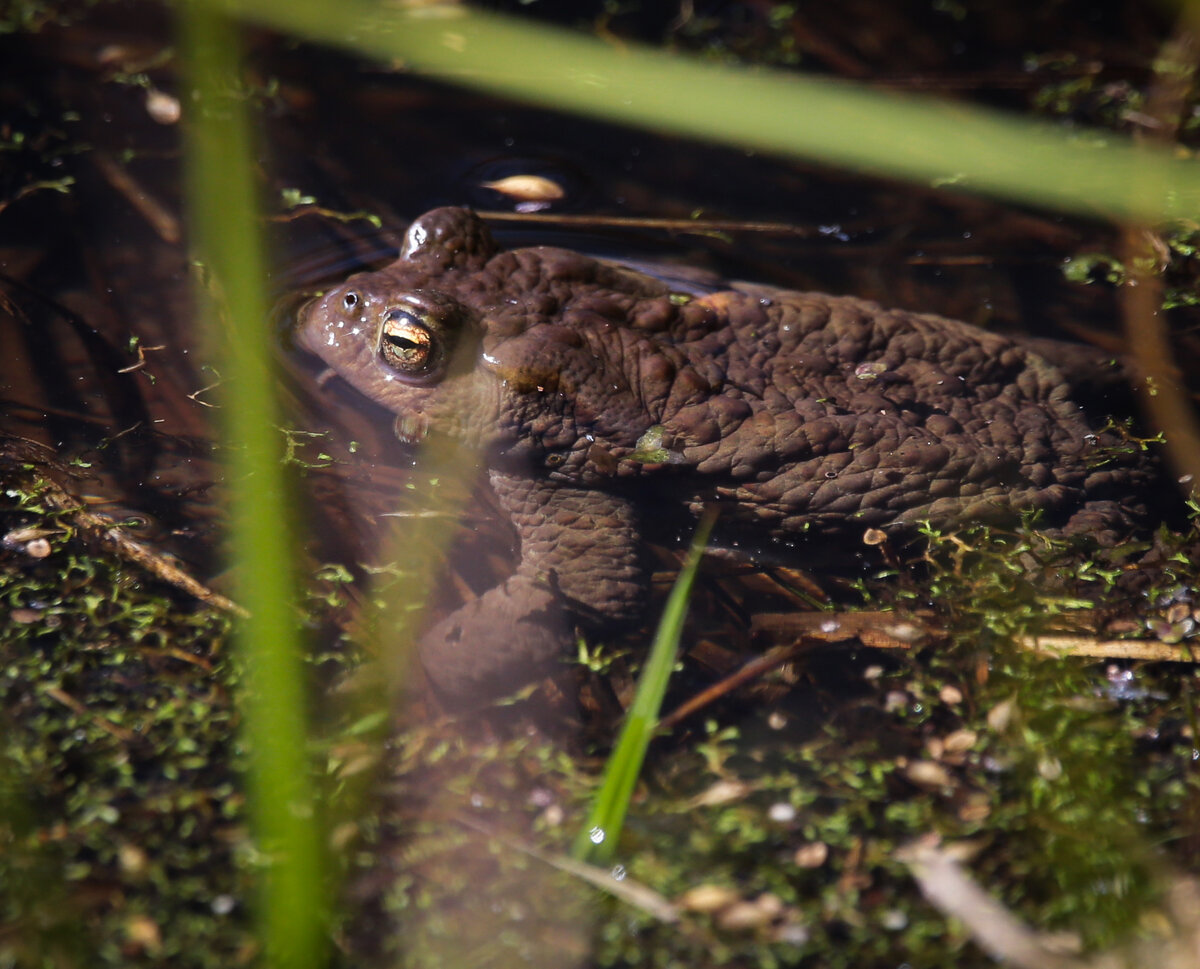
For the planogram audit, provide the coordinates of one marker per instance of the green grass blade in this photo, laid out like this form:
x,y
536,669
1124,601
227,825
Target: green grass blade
x,y
225,234
603,828
924,139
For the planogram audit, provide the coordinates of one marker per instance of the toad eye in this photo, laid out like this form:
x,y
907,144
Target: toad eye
x,y
350,300
407,344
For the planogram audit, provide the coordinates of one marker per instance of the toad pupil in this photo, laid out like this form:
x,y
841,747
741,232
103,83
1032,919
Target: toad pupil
x,y
406,343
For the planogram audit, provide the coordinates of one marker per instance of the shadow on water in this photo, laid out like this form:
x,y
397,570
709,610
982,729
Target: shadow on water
x,y
765,827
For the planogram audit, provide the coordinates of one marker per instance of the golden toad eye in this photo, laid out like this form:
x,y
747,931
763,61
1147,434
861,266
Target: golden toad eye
x,y
406,344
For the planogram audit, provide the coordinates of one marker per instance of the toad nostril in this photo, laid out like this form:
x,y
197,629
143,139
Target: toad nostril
x,y
350,300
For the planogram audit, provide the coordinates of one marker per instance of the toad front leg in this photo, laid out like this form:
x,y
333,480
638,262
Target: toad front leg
x,y
579,562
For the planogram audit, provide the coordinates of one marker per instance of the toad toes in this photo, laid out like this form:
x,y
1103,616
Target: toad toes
x,y
596,395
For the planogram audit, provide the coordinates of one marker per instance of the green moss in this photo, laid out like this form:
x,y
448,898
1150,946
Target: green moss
x,y
26,16
1063,781
121,837
1179,268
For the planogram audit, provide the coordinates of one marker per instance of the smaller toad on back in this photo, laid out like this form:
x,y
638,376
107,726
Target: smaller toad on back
x,y
595,393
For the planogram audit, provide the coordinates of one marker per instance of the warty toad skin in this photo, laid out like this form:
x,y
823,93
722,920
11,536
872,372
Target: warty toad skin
x,y
595,393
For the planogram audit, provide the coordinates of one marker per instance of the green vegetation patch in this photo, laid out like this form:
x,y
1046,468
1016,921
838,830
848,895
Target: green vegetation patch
x,y
765,832
121,817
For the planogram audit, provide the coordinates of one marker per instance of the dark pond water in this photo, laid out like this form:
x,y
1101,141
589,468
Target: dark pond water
x,y
766,827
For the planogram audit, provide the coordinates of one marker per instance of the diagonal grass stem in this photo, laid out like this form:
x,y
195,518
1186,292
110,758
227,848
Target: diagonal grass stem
x,y
599,835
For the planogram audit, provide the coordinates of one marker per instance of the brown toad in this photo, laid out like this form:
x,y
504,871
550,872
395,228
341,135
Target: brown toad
x,y
598,395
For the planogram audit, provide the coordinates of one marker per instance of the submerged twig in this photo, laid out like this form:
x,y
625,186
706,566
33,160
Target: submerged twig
x,y
626,889
1000,933
161,219
993,927
81,710
751,671
881,630
886,630
698,226
1086,646
110,537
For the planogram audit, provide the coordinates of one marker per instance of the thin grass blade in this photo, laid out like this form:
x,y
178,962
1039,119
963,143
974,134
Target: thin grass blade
x,y
604,824
928,140
225,235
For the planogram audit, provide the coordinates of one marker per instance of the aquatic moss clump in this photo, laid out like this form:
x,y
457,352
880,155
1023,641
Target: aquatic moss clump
x,y
766,831
122,840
